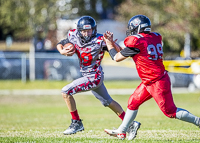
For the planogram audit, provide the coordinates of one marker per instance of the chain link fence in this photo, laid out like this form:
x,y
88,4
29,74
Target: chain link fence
x,y
51,66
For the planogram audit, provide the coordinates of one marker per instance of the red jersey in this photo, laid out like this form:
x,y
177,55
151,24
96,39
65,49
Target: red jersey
x,y
149,62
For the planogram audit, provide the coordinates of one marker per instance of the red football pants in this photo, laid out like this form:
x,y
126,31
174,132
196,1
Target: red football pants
x,y
160,91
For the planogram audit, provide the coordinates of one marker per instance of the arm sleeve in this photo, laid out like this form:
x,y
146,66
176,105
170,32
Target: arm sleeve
x,y
129,52
63,42
112,53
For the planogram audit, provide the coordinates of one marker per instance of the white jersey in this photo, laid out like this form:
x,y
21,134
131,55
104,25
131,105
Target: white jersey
x,y
90,54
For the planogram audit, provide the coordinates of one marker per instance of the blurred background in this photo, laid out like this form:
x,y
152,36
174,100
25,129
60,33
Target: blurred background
x,y
30,30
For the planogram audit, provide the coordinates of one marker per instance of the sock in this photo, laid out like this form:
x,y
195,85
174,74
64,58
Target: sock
x,y
122,115
184,115
128,118
75,115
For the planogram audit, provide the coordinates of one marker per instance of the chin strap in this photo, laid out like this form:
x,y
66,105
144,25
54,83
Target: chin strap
x,y
87,38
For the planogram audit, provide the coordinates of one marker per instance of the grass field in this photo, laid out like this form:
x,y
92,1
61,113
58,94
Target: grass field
x,y
43,118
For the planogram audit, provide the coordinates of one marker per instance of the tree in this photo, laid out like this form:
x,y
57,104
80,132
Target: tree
x,y
12,17
22,18
172,18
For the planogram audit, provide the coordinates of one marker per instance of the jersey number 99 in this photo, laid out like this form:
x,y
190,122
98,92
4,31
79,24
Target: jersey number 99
x,y
155,52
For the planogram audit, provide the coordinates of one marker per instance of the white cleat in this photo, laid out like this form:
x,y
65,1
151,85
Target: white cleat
x,y
116,133
76,126
132,130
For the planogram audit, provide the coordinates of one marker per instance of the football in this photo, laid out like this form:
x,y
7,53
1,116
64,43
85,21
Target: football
x,y
70,47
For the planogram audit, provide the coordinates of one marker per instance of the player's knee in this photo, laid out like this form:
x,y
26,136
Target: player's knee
x,y
65,96
106,103
133,107
170,113
173,115
133,103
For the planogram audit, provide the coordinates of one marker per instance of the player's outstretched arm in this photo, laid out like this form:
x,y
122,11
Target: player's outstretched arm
x,y
117,47
115,54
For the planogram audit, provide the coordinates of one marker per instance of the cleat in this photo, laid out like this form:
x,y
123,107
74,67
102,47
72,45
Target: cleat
x,y
132,130
116,133
76,126
199,123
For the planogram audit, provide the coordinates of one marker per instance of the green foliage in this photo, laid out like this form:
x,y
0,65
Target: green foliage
x,y
44,118
23,17
13,17
172,18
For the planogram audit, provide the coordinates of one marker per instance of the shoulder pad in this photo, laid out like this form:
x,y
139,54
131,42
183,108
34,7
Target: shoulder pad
x,y
157,34
130,41
137,36
99,38
71,31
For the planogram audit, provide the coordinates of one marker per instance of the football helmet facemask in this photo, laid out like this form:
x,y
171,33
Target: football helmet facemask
x,y
138,24
86,22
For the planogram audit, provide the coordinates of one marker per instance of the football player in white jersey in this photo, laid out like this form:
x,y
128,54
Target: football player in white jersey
x,y
90,48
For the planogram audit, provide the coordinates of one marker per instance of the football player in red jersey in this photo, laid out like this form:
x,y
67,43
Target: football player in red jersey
x,y
145,47
90,48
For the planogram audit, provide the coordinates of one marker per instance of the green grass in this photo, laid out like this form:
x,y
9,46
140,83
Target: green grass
x,y
50,84
42,118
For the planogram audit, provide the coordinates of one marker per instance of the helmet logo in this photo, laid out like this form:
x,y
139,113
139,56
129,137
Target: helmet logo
x,y
87,27
144,25
147,29
136,22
